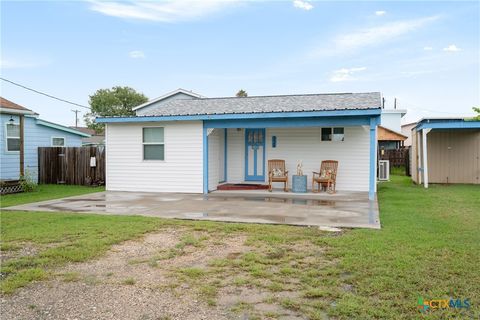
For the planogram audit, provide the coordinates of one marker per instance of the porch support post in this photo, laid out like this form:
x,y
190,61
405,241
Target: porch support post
x,y
425,157
205,160
225,156
373,158
419,158
22,145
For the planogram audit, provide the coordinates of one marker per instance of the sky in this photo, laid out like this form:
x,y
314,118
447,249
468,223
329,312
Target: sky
x,y
424,54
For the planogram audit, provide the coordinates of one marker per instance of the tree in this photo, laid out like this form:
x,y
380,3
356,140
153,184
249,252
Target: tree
x,y
476,110
117,101
242,93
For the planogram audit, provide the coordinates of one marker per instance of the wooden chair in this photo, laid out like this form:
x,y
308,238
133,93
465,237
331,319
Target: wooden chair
x,y
277,173
327,177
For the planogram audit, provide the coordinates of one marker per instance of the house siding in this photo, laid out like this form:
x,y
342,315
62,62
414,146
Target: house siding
x,y
453,156
303,144
407,131
391,121
221,156
235,155
35,136
182,170
214,159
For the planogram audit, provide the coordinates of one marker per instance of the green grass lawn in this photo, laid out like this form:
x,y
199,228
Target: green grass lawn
x,y
46,192
428,247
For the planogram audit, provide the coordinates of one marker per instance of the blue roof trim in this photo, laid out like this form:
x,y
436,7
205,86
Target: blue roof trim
x,y
447,124
266,115
60,127
290,122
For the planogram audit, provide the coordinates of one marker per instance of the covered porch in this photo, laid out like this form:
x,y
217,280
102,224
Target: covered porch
x,y
236,151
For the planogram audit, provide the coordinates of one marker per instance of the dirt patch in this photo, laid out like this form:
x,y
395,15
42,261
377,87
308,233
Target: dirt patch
x,y
129,261
177,273
126,283
25,249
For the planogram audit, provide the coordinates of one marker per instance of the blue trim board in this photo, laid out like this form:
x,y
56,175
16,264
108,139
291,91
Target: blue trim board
x,y
205,160
259,115
225,157
289,122
60,127
373,158
447,124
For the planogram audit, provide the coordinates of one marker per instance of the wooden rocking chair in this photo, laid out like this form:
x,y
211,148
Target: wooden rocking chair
x,y
327,177
277,173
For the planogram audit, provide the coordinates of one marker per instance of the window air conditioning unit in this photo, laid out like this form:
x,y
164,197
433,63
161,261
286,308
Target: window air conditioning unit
x,y
383,170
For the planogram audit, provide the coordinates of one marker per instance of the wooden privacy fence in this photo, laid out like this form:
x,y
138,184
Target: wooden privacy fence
x,y
397,157
71,165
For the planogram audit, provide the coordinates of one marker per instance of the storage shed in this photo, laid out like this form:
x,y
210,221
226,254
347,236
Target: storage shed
x,y
446,151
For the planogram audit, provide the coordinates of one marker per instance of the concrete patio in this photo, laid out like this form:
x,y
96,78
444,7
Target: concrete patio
x,y
343,209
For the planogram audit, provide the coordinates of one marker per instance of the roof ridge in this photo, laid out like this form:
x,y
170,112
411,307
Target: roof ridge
x,y
290,95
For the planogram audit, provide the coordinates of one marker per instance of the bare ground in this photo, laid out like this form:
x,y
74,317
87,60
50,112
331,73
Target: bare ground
x,y
150,279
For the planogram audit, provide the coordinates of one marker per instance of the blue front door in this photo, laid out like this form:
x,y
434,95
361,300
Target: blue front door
x,y
254,154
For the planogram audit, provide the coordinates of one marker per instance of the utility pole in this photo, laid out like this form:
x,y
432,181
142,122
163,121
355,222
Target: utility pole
x,y
76,117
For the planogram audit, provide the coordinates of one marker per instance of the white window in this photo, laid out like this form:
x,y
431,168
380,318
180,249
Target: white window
x,y
332,134
13,137
58,142
153,143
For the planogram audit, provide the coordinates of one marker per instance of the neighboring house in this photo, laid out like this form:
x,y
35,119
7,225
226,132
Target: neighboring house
x,y
95,140
36,133
192,144
178,94
446,150
390,133
407,131
389,139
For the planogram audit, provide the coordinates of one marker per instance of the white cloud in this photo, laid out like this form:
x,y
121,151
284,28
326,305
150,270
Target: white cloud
x,y
452,48
22,63
380,13
345,74
136,54
383,33
164,11
304,5
427,48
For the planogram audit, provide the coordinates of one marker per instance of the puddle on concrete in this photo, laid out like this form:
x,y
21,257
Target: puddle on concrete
x,y
77,200
195,215
307,202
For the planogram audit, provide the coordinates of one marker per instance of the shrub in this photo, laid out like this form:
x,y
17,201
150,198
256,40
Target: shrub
x,y
27,182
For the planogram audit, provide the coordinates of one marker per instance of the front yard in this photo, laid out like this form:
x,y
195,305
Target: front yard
x,y
427,248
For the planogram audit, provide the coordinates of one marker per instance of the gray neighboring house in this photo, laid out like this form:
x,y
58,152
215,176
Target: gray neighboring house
x,y
95,139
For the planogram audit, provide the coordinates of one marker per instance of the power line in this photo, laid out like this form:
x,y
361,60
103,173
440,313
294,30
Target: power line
x,y
43,93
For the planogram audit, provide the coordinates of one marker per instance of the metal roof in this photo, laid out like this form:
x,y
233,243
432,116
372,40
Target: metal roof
x,y
447,123
268,104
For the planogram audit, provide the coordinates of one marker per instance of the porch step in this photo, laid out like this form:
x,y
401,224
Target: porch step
x,y
242,186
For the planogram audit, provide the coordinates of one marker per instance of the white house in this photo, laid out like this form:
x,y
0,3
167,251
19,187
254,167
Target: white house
x,y
183,142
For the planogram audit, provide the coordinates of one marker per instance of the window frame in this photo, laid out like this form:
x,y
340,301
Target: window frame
x,y
64,141
332,134
8,137
154,144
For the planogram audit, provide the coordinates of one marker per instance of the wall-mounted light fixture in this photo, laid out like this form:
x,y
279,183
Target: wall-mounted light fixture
x,y
274,141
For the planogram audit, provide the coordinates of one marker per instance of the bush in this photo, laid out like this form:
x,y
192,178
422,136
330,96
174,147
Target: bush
x,y
27,182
